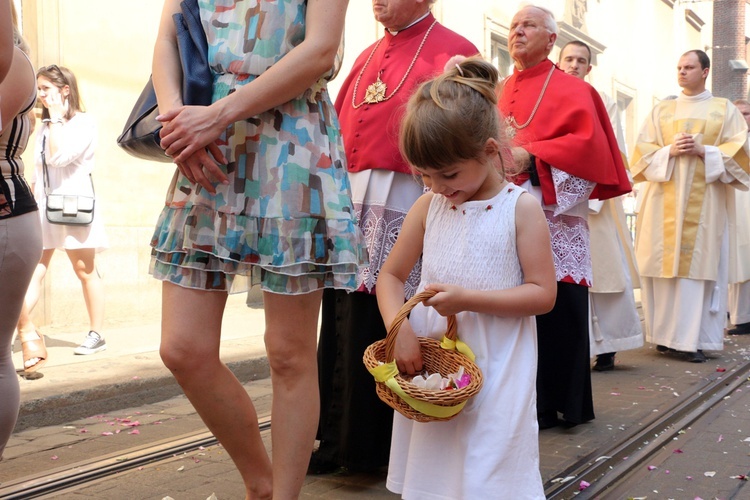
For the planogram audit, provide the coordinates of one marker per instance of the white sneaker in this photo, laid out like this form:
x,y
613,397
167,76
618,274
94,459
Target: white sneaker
x,y
92,344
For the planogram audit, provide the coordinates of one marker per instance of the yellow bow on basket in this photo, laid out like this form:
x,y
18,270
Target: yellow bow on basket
x,y
445,358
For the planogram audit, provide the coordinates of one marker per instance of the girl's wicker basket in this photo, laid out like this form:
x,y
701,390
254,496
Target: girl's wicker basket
x,y
397,391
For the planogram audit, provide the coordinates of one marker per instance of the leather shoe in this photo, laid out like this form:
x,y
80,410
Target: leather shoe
x,y
741,329
548,420
662,349
318,465
604,362
696,357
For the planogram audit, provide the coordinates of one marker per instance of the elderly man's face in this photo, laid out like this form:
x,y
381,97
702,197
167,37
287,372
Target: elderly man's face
x,y
398,14
745,110
529,42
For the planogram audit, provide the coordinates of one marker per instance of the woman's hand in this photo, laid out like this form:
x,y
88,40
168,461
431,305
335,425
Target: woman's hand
x,y
450,299
196,169
406,350
179,140
57,107
188,129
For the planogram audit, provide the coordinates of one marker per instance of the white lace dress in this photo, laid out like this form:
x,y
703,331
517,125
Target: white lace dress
x,y
491,448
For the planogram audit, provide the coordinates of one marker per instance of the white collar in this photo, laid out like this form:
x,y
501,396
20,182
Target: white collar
x,y
394,33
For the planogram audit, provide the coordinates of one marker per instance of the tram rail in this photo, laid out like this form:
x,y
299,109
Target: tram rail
x,y
610,468
68,478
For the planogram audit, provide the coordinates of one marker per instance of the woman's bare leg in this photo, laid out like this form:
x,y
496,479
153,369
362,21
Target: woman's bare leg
x,y
84,265
291,343
191,333
33,293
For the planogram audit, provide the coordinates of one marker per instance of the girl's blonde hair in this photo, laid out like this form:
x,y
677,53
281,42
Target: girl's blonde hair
x,y
450,118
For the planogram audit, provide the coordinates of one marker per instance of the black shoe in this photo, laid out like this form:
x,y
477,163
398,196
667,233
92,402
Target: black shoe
x,y
319,465
548,420
696,357
662,349
605,362
741,329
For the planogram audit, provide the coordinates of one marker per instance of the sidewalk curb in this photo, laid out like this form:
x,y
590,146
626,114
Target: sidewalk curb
x,y
70,405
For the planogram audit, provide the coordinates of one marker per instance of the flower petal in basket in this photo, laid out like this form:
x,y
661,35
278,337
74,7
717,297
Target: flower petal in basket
x,y
387,374
417,403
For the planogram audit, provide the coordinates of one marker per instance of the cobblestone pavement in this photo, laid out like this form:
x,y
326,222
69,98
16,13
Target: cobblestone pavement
x,y
643,384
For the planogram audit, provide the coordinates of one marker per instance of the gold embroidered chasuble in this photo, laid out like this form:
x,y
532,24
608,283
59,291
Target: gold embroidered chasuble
x,y
682,217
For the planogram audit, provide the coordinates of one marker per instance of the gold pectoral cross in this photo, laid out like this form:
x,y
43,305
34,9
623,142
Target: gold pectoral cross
x,y
375,92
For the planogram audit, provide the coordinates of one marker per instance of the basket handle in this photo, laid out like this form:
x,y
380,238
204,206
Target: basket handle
x,y
390,339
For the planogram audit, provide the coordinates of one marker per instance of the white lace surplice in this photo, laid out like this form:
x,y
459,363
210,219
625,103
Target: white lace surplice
x,y
381,200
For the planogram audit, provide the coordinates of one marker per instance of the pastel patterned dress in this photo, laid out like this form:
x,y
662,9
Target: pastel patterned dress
x,y
285,220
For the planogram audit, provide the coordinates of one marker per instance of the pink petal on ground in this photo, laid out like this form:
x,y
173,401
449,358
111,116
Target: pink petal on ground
x,y
721,438
614,393
651,467
678,451
583,485
53,457
83,431
107,433
721,369
134,431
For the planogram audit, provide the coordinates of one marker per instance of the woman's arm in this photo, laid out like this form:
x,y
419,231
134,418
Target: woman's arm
x,y
537,293
190,129
166,71
72,142
391,278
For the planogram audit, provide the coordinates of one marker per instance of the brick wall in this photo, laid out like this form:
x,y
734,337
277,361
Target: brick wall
x,y
728,44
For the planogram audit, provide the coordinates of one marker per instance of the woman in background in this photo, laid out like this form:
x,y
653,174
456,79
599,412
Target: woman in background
x,y
66,142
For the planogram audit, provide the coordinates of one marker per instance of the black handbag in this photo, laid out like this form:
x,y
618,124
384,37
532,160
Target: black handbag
x,y
140,137
67,209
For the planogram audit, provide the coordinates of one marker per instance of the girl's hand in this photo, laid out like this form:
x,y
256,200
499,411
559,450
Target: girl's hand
x,y
406,350
56,106
449,300
189,129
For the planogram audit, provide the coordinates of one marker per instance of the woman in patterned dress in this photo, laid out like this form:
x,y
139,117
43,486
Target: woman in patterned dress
x,y
260,196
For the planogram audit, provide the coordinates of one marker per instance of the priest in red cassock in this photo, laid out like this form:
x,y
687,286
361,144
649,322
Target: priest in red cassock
x,y
355,426
565,153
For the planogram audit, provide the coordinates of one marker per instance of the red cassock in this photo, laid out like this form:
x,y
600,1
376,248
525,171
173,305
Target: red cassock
x,y
391,61
570,130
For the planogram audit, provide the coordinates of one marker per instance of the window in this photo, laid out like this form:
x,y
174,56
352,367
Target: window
x,y
500,57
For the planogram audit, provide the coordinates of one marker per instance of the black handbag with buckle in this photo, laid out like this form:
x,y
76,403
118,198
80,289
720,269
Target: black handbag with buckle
x,y
140,137
67,209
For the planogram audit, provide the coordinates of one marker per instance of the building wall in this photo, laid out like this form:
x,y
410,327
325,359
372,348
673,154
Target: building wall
x,y
729,76
109,46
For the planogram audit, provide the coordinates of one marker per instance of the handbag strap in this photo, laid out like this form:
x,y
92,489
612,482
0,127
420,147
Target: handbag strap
x,y
46,172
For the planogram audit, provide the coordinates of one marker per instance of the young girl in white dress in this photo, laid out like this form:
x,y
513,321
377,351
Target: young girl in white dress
x,y
486,251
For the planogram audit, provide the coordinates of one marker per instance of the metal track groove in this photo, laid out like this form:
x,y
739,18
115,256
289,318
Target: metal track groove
x,y
630,452
71,476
